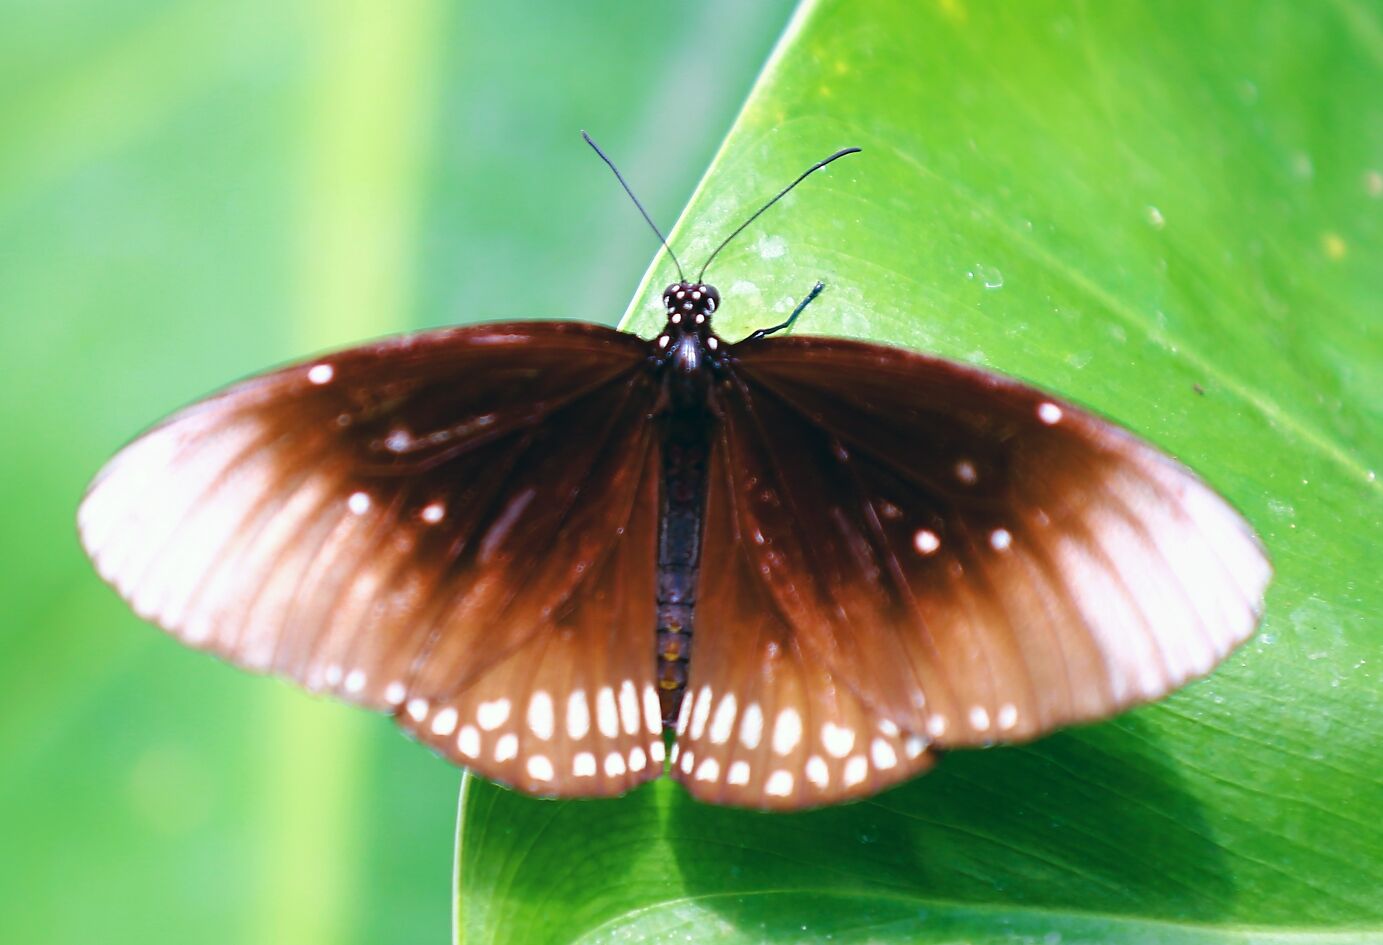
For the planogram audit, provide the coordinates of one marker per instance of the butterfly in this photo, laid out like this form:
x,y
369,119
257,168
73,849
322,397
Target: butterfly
x,y
551,549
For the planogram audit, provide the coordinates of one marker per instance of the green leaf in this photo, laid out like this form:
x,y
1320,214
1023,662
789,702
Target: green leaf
x,y
1168,211
191,192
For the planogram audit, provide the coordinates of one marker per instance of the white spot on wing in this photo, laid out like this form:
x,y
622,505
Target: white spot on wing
x,y
701,713
1008,716
837,739
925,541
578,714
583,765
779,784
751,726
358,503
606,716
739,773
787,731
540,716
637,759
1049,413
417,709
614,764
709,770
433,513
684,714
856,769
965,472
444,722
724,722
321,373
507,747
883,754
468,742
979,718
491,715
652,711
1000,539
817,772
539,768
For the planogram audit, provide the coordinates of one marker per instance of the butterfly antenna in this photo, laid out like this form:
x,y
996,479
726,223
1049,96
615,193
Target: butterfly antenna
x,y
647,219
781,194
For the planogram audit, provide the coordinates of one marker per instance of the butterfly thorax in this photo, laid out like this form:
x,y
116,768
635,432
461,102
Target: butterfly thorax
x,y
687,346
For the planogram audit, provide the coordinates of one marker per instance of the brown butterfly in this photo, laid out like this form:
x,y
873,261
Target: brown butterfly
x,y
812,561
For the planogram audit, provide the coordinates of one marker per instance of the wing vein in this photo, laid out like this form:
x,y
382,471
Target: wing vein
x,y
894,569
795,516
518,640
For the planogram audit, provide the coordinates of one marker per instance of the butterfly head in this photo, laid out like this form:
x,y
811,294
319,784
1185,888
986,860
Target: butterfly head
x,y
690,304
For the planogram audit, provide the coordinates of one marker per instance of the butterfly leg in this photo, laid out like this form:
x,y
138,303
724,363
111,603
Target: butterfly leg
x,y
765,332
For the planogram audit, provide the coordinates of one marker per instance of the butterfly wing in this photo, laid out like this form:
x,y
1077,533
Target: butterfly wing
x,y
765,722
456,526
970,558
573,709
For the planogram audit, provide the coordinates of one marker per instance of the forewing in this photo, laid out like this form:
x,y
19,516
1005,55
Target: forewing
x,y
765,722
975,559
427,524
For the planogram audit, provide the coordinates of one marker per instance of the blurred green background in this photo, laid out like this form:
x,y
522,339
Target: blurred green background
x,y
189,193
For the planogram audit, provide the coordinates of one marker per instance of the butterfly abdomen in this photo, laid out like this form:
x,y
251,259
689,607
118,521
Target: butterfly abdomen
x,y
685,445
